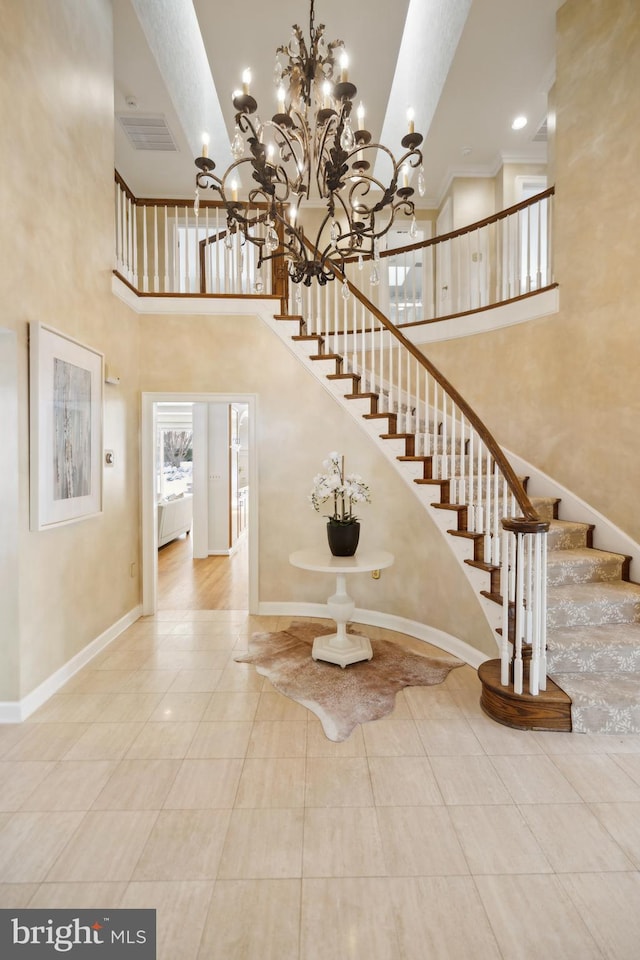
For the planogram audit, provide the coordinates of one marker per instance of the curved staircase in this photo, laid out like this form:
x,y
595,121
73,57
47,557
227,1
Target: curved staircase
x,y
593,610
593,630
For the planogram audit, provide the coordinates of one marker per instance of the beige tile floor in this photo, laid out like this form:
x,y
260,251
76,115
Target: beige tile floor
x,y
166,775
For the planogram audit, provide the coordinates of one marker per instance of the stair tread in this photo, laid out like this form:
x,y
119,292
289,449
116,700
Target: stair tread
x,y
566,534
594,648
598,602
569,524
582,553
584,565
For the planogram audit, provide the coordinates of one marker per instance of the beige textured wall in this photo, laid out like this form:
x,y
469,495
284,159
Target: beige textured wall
x,y
56,194
472,200
506,181
564,391
298,425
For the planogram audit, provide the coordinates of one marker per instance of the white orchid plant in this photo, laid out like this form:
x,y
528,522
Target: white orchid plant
x,y
345,490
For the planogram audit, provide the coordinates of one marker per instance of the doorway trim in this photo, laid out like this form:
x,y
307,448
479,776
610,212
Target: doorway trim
x,y
149,552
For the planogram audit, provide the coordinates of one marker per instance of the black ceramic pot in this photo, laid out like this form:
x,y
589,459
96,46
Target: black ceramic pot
x,y
343,537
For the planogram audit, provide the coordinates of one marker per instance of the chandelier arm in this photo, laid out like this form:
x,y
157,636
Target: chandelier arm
x,y
246,125
298,139
333,121
311,141
413,157
208,175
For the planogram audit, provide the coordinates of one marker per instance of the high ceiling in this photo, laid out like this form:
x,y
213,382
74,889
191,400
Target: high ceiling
x,y
468,67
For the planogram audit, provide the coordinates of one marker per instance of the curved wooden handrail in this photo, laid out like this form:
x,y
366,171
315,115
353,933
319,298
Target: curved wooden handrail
x,y
462,231
529,512
514,484
474,310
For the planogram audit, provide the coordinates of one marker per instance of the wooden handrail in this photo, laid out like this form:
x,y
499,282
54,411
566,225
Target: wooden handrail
x,y
121,183
462,231
151,294
528,511
515,486
483,309
175,201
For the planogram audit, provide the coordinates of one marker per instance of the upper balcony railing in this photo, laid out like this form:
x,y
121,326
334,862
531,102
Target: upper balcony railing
x,y
502,258
164,248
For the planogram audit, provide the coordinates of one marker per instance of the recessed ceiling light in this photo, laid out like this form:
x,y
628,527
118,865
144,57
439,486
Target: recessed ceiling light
x,y
519,123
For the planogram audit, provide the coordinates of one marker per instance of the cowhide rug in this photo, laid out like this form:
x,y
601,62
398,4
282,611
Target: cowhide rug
x,y
340,698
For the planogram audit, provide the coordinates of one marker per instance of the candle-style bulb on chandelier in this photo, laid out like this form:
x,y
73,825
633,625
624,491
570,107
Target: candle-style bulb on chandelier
x,y
312,149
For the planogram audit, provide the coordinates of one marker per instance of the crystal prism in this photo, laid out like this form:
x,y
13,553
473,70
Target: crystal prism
x,y
347,140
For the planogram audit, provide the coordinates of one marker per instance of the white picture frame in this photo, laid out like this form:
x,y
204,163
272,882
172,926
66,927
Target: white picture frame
x,y
65,426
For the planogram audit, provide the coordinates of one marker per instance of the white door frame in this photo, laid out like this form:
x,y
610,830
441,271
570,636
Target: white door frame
x,y
148,492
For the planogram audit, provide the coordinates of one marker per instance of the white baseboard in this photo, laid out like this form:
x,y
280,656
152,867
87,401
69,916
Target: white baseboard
x,y
420,631
15,711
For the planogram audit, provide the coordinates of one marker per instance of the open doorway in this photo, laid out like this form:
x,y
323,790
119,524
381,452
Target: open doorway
x,y
199,502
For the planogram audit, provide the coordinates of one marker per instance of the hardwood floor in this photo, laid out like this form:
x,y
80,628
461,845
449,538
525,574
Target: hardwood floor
x,y
215,583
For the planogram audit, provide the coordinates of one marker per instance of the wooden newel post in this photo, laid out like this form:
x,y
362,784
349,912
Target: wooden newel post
x,y
524,598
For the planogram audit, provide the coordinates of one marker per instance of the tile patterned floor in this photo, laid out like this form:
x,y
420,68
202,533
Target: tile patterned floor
x,y
166,775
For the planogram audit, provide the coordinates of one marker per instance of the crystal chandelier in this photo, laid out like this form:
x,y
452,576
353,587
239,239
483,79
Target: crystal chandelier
x,y
309,150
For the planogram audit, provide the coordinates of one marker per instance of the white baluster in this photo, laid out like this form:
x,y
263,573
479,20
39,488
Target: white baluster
x,y
505,591
488,519
134,241
355,346
216,254
471,492
118,229
534,602
176,252
519,615
166,250
145,259
461,496
479,521
542,585
549,277
156,252
446,471
208,286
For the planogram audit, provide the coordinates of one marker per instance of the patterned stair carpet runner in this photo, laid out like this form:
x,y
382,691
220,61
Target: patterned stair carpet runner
x,y
593,631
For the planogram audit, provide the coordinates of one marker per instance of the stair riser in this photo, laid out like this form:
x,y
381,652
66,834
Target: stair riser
x,y
595,718
545,507
610,660
569,613
567,539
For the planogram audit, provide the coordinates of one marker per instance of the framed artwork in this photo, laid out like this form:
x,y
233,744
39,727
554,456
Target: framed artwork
x,y
65,394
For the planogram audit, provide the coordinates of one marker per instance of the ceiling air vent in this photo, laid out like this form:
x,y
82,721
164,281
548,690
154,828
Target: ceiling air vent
x,y
541,134
148,132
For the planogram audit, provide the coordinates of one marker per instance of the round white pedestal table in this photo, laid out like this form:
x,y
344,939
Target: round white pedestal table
x,y
341,647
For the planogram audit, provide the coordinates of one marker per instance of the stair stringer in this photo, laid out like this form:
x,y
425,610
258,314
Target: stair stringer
x,y
462,548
